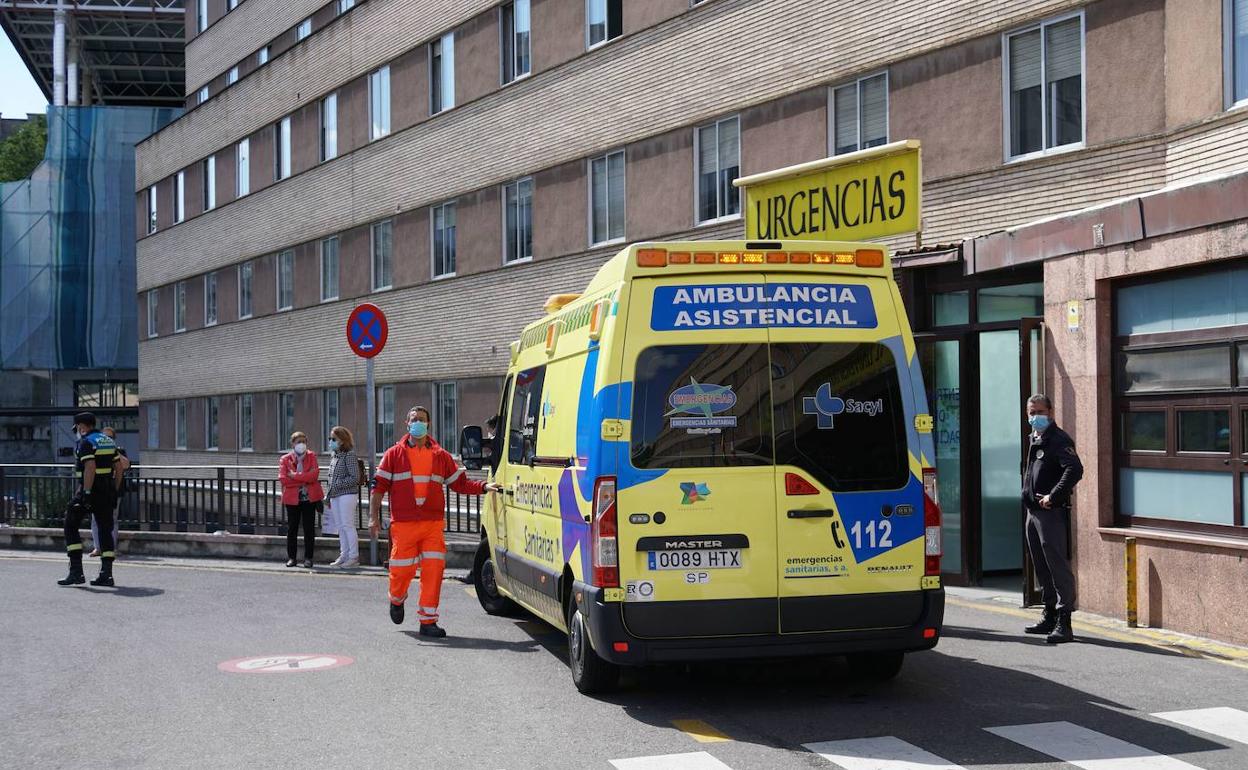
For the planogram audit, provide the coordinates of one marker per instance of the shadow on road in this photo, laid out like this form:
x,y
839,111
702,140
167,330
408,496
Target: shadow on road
x,y
474,643
989,635
130,592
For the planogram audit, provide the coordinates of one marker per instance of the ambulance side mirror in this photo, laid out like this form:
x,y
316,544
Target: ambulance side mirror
x,y
471,447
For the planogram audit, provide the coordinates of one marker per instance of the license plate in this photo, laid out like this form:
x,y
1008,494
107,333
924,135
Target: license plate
x,y
724,558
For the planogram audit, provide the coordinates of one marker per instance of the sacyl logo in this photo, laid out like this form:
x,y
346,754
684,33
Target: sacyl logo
x,y
826,406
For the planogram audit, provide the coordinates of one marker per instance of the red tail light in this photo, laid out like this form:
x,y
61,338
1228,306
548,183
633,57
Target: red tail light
x,y
933,547
796,485
603,533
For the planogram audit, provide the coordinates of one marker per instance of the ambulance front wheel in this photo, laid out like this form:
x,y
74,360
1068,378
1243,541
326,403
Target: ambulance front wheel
x,y
876,666
483,579
590,673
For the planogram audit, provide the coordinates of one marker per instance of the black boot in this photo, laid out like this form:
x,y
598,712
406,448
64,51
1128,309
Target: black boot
x,y
1063,633
106,573
396,613
431,630
75,576
1047,623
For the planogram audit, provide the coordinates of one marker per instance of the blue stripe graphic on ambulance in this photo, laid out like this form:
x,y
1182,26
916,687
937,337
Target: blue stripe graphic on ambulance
x,y
913,399
867,531
575,530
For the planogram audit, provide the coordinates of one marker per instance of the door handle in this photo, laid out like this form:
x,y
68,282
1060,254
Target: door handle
x,y
812,513
509,491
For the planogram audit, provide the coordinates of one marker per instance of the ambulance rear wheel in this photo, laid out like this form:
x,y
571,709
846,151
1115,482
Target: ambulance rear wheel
x,y
590,673
486,584
876,666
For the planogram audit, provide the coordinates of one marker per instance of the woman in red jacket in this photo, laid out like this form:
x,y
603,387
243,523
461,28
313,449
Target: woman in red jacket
x,y
301,490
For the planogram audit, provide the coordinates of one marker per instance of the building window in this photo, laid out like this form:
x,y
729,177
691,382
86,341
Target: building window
x,y
179,424
329,127
605,20
231,76
1181,400
244,423
242,169
262,56
515,40
210,299
303,30
245,273
329,269
153,302
231,5
151,209
518,220
860,114
211,410
153,426
201,95
606,198
442,73
344,6
382,252
201,15
379,103
1236,67
179,306
281,150
718,153
179,197
447,410
285,418
385,418
443,227
210,182
1044,87
329,413
286,280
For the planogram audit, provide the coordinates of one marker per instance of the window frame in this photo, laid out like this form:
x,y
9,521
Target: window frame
x,y
532,194
329,127
211,320
383,442
448,429
326,423
248,267
336,272
857,85
607,37
509,71
208,169
433,240
246,406
1007,118
242,168
376,111
283,256
179,424
231,75
285,427
202,95
201,16
263,54
372,255
303,30
1228,59
212,433
179,307
153,426
153,209
179,197
624,214
282,165
342,6
440,63
153,310
697,175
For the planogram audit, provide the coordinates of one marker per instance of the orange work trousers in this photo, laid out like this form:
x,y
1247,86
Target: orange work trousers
x,y
413,543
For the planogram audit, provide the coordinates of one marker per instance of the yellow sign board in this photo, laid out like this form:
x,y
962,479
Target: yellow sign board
x,y
859,196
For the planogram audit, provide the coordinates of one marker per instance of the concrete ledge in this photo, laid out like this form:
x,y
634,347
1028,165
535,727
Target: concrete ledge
x,y
459,549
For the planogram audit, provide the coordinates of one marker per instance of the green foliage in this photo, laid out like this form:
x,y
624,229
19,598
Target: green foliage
x,y
23,150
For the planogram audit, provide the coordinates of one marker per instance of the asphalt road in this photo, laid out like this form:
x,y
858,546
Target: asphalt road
x,y
129,677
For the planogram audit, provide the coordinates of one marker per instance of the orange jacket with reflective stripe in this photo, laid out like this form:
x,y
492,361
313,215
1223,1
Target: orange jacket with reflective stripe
x,y
394,476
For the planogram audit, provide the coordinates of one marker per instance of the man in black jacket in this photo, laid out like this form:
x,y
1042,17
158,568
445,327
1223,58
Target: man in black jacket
x,y
1049,478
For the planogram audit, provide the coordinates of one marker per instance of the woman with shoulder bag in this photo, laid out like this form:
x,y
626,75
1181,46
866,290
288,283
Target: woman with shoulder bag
x,y
301,491
344,496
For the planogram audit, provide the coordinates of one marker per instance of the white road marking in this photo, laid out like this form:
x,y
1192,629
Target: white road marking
x,y
695,760
1086,748
884,753
1223,721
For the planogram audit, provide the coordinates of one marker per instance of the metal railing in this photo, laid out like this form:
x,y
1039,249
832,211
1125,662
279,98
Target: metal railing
x,y
186,498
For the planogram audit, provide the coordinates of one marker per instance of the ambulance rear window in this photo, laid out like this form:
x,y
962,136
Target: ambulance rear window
x,y
701,406
839,414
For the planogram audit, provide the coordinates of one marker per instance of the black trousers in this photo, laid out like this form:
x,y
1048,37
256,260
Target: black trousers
x,y
1046,541
79,511
304,513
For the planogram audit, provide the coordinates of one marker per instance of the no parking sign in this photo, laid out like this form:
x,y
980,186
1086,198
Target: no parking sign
x,y
367,330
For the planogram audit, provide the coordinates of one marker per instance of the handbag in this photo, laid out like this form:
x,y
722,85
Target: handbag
x,y
363,472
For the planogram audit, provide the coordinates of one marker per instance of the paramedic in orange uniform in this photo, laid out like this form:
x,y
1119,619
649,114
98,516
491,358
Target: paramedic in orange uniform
x,y
413,472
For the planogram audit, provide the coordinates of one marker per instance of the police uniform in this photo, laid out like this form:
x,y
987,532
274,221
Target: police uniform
x,y
97,503
1053,468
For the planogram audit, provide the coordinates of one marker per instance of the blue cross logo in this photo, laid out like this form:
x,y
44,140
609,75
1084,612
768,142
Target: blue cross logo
x,y
824,405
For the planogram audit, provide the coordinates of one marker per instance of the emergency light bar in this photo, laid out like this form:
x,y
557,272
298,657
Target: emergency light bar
x,y
857,258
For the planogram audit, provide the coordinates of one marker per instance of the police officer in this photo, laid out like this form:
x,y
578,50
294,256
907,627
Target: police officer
x,y
96,496
1049,478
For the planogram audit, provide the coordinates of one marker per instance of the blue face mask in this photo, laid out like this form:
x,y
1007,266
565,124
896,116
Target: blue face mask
x,y
333,445
418,429
1039,422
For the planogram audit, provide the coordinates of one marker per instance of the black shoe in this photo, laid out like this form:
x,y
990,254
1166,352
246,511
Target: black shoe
x,y
431,630
103,580
292,563
1063,632
307,563
74,578
1047,623
396,613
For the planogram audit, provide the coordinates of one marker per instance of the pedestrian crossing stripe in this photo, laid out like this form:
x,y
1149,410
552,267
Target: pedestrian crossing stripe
x,y
696,760
884,753
1086,748
1224,722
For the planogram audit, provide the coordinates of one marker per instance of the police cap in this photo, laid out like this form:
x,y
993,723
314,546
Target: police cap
x,y
85,418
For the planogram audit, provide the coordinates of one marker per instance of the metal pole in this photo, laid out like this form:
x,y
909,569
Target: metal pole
x,y
71,80
58,56
1132,600
371,399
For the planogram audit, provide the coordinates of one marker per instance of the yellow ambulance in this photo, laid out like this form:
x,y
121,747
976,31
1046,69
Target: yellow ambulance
x,y
720,449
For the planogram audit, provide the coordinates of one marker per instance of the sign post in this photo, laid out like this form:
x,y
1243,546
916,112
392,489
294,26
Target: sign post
x,y
367,331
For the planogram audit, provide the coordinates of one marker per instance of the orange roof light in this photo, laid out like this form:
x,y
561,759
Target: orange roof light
x,y
799,258
752,258
777,258
552,337
730,258
704,258
844,258
823,258
598,318
870,258
678,258
652,258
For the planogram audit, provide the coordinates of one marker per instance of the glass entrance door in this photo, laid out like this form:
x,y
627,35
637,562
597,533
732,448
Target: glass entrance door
x,y
941,359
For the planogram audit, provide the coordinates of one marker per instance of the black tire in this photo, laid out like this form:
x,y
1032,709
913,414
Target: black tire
x,y
875,666
493,602
590,673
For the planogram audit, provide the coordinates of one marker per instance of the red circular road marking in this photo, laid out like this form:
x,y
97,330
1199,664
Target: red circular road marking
x,y
284,664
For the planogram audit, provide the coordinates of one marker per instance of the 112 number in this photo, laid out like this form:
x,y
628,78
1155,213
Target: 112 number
x,y
884,531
